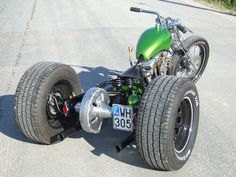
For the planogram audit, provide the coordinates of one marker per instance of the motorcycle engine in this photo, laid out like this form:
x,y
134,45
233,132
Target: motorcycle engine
x,y
163,62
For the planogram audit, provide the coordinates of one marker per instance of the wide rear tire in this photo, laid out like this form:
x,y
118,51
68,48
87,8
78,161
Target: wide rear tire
x,y
167,122
36,116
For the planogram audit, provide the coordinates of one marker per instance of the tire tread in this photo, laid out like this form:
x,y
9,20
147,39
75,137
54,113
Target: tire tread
x,y
27,96
153,117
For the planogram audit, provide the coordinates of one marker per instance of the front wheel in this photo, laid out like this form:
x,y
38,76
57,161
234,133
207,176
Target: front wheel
x,y
192,63
168,122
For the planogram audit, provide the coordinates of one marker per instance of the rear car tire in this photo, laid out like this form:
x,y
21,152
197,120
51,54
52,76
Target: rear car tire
x,y
35,110
167,122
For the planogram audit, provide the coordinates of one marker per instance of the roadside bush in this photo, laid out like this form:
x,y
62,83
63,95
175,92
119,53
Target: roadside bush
x,y
227,3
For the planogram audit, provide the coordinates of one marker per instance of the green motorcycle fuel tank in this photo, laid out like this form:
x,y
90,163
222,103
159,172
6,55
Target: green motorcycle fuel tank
x,y
152,41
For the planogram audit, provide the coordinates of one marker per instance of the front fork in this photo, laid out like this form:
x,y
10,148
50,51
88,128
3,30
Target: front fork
x,y
179,45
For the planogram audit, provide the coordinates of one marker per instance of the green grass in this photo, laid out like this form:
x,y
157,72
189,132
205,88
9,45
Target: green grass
x,y
226,5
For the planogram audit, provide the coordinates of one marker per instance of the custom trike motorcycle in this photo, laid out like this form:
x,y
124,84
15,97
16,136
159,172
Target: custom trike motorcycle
x,y
156,99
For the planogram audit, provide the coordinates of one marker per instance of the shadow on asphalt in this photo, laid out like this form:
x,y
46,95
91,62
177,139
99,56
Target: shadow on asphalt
x,y
200,8
102,143
90,77
7,119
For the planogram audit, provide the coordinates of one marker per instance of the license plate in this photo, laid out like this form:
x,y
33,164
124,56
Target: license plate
x,y
122,117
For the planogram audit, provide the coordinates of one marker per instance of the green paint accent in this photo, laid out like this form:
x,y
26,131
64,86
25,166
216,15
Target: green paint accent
x,y
157,26
152,41
137,82
137,91
134,94
124,88
133,99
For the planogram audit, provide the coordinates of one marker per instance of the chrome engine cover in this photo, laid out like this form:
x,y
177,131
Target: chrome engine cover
x,y
93,109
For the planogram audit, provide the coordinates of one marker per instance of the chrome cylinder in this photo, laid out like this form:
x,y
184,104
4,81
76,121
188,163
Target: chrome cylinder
x,y
93,109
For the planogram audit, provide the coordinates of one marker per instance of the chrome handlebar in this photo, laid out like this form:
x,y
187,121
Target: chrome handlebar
x,y
166,22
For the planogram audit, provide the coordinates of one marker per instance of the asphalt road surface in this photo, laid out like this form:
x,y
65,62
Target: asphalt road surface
x,y
93,36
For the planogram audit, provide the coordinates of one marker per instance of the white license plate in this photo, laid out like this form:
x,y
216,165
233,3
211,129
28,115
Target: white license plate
x,y
122,117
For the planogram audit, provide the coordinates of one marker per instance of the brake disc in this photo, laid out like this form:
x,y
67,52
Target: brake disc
x,y
93,109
